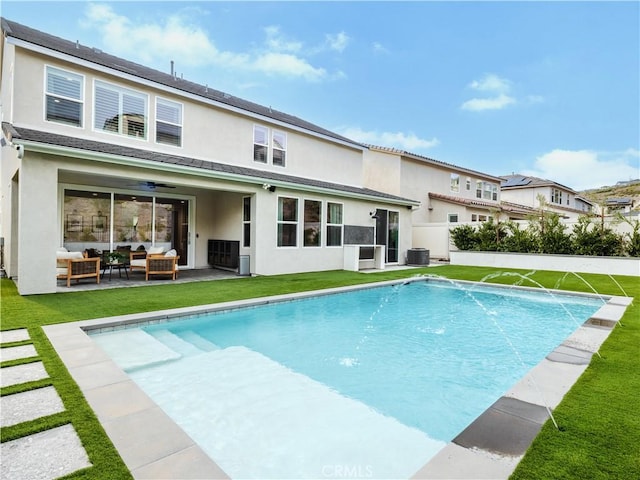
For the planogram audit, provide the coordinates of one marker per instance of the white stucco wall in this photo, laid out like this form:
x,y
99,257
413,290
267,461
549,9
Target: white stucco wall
x,y
562,263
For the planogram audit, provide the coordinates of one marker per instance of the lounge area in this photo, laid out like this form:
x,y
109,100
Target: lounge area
x,y
124,268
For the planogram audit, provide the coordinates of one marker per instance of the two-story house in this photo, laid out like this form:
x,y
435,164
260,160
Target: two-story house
x,y
536,192
99,152
448,194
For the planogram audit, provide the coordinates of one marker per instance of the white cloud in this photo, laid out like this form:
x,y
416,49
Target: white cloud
x,y
379,48
338,41
405,141
492,103
584,169
179,39
278,42
491,83
498,95
285,64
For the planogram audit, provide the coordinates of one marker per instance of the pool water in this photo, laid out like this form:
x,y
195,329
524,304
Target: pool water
x,y
370,383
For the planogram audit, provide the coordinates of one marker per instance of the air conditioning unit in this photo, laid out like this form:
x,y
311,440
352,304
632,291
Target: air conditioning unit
x,y
418,256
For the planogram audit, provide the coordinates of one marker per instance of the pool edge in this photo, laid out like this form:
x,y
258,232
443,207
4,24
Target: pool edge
x,y
102,382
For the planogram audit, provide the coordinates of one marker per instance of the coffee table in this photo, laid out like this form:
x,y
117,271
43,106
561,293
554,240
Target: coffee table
x,y
111,266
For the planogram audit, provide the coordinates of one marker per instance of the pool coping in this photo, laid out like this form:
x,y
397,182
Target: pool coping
x,y
152,445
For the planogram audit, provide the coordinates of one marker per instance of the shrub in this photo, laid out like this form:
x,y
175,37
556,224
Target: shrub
x,y
464,237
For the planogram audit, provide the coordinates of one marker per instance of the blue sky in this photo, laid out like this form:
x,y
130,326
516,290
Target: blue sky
x,y
550,89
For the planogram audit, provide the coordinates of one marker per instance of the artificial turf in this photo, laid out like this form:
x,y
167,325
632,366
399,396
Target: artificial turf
x,y
599,418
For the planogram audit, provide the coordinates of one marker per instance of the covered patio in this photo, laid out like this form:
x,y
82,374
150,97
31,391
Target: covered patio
x,y
137,279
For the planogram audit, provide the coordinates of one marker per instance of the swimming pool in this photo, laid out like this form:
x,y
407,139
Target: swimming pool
x,y
375,381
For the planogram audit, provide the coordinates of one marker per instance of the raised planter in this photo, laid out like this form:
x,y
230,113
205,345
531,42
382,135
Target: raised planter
x,y
561,263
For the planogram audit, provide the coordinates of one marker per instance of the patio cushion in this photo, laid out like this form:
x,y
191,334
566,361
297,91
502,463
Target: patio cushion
x,y
171,253
66,255
139,262
155,250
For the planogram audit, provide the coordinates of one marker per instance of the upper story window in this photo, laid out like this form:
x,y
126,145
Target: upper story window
x,y
168,122
120,110
261,146
468,185
334,224
279,148
64,97
556,196
455,182
487,190
260,143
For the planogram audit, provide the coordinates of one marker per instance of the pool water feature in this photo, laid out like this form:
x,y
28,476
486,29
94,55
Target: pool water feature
x,y
375,381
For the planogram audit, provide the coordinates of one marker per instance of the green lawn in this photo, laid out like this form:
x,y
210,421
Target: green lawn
x,y
599,419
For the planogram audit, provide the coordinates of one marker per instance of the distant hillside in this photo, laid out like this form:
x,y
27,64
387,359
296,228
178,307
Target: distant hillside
x,y
600,195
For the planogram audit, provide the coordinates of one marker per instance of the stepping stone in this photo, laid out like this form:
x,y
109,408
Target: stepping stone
x,y
28,372
26,406
14,335
13,353
43,456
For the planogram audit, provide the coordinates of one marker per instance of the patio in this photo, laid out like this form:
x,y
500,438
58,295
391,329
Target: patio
x,y
137,279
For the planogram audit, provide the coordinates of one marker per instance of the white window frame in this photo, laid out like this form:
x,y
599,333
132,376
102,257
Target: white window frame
x,y
318,223
453,218
334,225
265,131
468,184
121,91
556,196
455,182
246,222
282,148
51,69
180,107
295,222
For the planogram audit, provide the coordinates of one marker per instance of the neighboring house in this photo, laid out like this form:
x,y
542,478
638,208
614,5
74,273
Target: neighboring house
x,y
619,205
99,152
527,191
448,194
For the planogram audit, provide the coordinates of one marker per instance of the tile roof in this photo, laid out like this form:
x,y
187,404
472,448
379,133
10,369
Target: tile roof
x,y
423,158
20,135
96,56
470,202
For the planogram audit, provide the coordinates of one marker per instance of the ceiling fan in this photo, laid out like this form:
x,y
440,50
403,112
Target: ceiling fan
x,y
153,185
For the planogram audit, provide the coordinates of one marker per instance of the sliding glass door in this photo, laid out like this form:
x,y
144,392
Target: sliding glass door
x,y
109,220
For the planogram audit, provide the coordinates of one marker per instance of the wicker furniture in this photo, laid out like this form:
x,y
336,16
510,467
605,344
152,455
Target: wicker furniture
x,y
162,265
73,266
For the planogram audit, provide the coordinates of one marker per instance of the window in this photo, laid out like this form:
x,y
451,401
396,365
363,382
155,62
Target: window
x,y
260,143
468,184
168,122
453,218
312,223
334,224
474,217
120,110
246,221
556,196
279,148
64,97
482,218
487,190
287,222
455,182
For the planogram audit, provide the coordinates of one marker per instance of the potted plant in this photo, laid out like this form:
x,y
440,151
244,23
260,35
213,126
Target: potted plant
x,y
115,257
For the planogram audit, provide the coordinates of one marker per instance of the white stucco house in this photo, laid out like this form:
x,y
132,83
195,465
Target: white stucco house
x,y
527,191
99,152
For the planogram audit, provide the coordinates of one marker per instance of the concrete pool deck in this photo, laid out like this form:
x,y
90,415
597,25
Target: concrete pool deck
x,y
153,446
